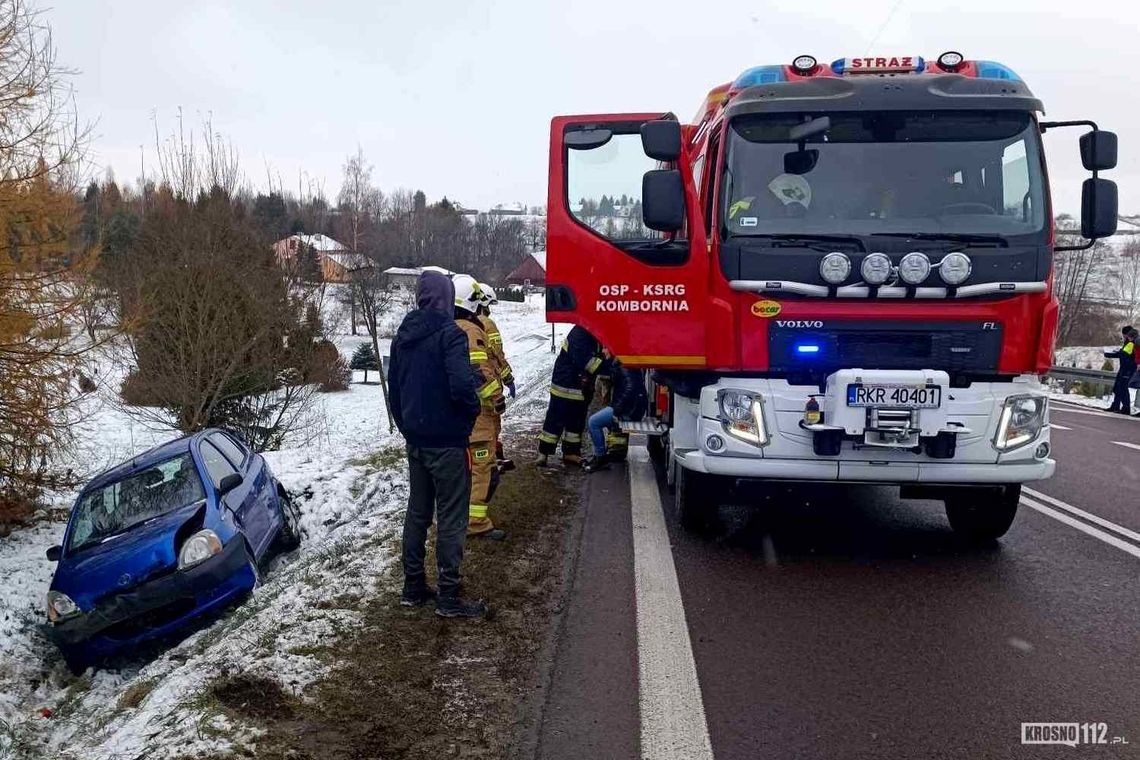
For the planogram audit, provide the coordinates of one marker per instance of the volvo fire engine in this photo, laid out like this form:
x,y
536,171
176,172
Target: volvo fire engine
x,y
836,273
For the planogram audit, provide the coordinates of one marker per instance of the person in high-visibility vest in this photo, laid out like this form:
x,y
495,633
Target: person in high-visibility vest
x,y
1127,356
495,348
571,387
484,472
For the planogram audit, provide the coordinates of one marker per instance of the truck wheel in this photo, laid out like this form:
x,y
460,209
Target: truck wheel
x,y
656,447
983,514
697,497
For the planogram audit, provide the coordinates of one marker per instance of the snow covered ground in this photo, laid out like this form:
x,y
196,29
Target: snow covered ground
x,y
347,473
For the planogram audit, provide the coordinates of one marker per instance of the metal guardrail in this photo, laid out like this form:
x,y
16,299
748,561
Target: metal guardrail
x,y
1101,380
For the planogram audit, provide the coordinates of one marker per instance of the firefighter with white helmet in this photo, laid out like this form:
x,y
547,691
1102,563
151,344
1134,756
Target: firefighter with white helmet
x,y
469,299
495,348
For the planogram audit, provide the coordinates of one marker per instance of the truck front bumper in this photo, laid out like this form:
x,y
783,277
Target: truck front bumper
x,y
700,441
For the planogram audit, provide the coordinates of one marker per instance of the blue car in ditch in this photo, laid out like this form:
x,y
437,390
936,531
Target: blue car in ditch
x,y
165,538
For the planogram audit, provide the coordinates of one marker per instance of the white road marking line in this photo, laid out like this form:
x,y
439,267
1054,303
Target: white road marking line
x,y
1081,513
1129,445
673,725
1055,426
1090,412
1108,538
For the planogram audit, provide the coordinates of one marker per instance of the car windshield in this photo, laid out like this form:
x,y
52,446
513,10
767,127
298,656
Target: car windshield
x,y
117,507
889,172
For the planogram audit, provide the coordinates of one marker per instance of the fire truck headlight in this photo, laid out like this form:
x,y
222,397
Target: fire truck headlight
x,y
914,268
954,268
742,416
835,268
1022,418
876,268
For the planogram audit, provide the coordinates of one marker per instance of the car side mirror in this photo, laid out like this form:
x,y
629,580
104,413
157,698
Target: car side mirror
x,y
229,483
663,200
1098,150
1098,208
55,553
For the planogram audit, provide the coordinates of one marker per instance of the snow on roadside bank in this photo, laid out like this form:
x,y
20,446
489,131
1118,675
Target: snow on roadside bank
x,y
351,483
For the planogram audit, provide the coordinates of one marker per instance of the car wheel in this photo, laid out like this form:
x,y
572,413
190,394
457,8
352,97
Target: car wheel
x,y
77,662
697,498
981,515
289,537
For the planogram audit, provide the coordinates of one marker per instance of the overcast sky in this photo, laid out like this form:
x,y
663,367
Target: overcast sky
x,y
455,98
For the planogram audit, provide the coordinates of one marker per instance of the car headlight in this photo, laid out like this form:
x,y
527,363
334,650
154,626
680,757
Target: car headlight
x,y
199,548
914,268
954,268
876,268
1022,418
60,606
834,268
742,416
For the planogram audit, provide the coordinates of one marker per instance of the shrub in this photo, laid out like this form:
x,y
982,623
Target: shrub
x,y
328,370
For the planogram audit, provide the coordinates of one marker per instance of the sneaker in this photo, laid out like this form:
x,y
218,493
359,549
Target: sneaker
x,y
455,607
417,596
494,534
506,465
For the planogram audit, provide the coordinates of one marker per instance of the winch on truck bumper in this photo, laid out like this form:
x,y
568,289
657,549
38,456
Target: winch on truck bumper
x,y
888,426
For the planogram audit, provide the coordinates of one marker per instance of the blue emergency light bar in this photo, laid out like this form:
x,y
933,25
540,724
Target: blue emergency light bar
x,y
807,348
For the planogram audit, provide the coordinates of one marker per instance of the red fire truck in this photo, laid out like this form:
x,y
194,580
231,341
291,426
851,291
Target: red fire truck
x,y
836,273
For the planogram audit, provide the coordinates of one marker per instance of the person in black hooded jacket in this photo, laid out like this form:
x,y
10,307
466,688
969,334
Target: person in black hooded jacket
x,y
434,401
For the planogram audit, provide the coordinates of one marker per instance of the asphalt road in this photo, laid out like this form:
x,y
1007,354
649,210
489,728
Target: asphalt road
x,y
830,622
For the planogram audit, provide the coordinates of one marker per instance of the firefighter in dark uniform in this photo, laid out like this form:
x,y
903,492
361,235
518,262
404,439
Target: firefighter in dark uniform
x,y
571,388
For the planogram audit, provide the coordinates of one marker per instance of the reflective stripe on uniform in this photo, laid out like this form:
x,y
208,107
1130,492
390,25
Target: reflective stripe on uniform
x,y
490,389
477,511
1129,348
478,356
546,437
572,437
495,339
573,394
593,364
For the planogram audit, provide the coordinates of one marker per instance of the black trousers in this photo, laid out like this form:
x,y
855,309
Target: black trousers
x,y
565,420
1120,395
440,482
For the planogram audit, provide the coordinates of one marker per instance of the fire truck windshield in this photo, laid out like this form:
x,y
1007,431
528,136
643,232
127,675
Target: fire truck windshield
x,y
884,172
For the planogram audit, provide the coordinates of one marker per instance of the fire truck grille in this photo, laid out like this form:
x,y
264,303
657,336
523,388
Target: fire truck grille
x,y
825,346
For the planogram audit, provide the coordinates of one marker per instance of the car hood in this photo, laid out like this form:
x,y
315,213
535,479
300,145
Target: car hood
x,y
124,561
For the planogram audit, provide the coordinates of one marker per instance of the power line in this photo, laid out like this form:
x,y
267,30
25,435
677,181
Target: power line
x,y
887,20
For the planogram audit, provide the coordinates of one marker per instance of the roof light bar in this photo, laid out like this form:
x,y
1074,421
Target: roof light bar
x,y
951,60
805,65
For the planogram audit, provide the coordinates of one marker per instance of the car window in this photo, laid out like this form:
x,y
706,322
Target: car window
x,y
216,464
227,446
134,499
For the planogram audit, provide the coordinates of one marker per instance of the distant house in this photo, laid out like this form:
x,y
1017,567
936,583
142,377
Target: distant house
x,y
532,270
337,262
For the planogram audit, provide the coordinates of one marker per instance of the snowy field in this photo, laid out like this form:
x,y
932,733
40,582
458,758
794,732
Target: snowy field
x,y
347,474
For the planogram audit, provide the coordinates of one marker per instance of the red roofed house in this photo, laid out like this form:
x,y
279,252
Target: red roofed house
x,y
532,271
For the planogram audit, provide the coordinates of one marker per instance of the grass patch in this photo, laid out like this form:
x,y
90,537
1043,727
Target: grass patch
x,y
251,697
382,459
136,693
411,685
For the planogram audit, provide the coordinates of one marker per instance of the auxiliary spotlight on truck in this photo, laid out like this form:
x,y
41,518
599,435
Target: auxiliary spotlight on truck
x,y
837,273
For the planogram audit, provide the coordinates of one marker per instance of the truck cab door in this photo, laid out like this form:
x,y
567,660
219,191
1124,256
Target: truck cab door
x,y
638,290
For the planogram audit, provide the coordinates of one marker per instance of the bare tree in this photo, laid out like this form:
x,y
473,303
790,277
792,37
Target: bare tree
x,y
1073,272
1126,281
41,150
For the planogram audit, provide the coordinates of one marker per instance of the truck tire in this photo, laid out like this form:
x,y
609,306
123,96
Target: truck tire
x,y
697,497
983,514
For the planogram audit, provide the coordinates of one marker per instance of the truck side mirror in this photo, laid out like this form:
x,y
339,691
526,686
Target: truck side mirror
x,y
1098,150
661,139
1098,206
663,200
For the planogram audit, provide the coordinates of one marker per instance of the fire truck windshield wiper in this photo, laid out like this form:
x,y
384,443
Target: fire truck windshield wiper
x,y
997,241
804,240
